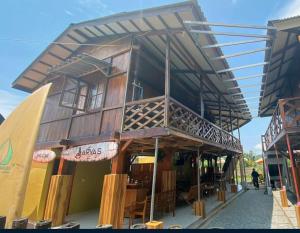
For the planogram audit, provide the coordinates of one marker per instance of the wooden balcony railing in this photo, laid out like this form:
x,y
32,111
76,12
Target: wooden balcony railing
x,y
286,116
154,112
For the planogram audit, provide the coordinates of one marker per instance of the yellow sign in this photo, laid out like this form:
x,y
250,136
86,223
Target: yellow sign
x,y
18,135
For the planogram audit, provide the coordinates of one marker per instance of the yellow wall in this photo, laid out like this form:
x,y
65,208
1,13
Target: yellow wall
x,y
37,190
87,185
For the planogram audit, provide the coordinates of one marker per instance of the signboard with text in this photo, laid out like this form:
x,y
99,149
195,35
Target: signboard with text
x,y
92,152
43,156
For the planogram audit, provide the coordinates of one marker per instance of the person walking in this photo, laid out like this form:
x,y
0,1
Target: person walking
x,y
255,176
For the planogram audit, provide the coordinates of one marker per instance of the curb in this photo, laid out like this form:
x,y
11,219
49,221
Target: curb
x,y
199,223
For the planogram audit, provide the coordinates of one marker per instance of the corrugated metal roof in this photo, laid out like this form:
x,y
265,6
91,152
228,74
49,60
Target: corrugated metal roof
x,y
284,48
168,17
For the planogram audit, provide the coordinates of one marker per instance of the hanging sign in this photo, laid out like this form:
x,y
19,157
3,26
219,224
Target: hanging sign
x,y
91,152
43,156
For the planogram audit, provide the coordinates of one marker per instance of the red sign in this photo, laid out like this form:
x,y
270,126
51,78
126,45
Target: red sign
x,y
91,152
43,156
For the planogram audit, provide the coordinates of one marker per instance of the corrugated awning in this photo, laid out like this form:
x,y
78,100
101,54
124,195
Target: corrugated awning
x,y
81,65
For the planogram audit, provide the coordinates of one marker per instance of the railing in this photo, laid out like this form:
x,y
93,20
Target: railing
x,y
285,116
150,113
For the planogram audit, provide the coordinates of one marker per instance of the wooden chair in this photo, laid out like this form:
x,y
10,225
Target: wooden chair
x,y
140,209
170,201
191,195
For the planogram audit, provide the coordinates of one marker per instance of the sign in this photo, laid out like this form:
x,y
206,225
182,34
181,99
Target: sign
x,y
18,134
91,152
43,156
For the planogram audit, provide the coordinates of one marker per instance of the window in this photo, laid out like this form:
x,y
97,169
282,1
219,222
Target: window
x,y
74,94
96,93
82,97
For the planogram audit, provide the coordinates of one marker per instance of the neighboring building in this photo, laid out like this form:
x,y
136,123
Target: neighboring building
x,y
127,79
280,99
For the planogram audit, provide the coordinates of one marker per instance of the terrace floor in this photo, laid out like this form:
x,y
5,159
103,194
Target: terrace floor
x,y
184,215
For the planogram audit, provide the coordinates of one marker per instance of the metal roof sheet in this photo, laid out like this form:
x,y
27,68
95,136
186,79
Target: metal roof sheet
x,y
165,17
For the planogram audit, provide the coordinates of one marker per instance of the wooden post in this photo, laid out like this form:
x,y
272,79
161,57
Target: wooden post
x,y
57,200
167,80
113,200
126,85
297,209
199,204
118,163
242,164
283,197
278,166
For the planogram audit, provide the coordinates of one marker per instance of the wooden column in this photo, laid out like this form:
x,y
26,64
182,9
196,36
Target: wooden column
x,y
58,198
167,80
278,166
199,204
119,162
113,200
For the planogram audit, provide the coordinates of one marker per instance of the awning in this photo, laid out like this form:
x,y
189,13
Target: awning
x,y
81,65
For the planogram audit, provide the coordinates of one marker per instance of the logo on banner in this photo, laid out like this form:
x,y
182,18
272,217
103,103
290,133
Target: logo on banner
x,y
91,152
6,154
43,156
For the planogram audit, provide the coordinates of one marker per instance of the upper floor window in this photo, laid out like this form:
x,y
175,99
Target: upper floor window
x,y
96,94
81,96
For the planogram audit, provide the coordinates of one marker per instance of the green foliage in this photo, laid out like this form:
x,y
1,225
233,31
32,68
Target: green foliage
x,y
250,158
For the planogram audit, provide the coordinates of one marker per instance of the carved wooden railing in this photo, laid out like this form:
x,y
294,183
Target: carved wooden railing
x,y
285,116
151,113
144,114
184,119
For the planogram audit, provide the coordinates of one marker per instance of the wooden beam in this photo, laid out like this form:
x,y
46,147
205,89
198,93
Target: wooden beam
x,y
126,145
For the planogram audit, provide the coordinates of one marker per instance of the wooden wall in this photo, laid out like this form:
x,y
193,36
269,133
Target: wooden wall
x,y
62,123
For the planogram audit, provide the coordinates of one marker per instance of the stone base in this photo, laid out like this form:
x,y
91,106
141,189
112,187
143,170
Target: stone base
x,y
200,208
283,197
155,225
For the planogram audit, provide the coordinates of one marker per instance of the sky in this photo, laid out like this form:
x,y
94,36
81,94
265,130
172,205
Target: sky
x,y
28,26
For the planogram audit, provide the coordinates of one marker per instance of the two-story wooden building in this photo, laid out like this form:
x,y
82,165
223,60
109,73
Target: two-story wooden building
x,y
125,80
280,99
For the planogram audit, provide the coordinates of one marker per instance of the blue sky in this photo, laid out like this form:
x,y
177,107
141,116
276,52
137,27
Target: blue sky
x,y
28,26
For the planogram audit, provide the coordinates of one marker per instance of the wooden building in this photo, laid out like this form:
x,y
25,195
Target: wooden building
x,y
280,100
129,79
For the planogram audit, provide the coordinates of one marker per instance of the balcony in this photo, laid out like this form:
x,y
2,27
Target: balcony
x,y
160,112
285,119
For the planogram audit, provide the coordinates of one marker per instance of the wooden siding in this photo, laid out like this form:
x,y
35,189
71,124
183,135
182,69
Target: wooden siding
x,y
63,123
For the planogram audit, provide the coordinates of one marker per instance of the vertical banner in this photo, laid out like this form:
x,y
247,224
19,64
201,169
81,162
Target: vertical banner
x,y
18,134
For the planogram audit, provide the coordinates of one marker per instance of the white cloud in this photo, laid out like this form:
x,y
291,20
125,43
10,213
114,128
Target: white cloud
x,y
94,7
8,102
69,12
258,147
289,10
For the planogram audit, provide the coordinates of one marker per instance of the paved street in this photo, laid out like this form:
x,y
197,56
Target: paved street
x,y
251,210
